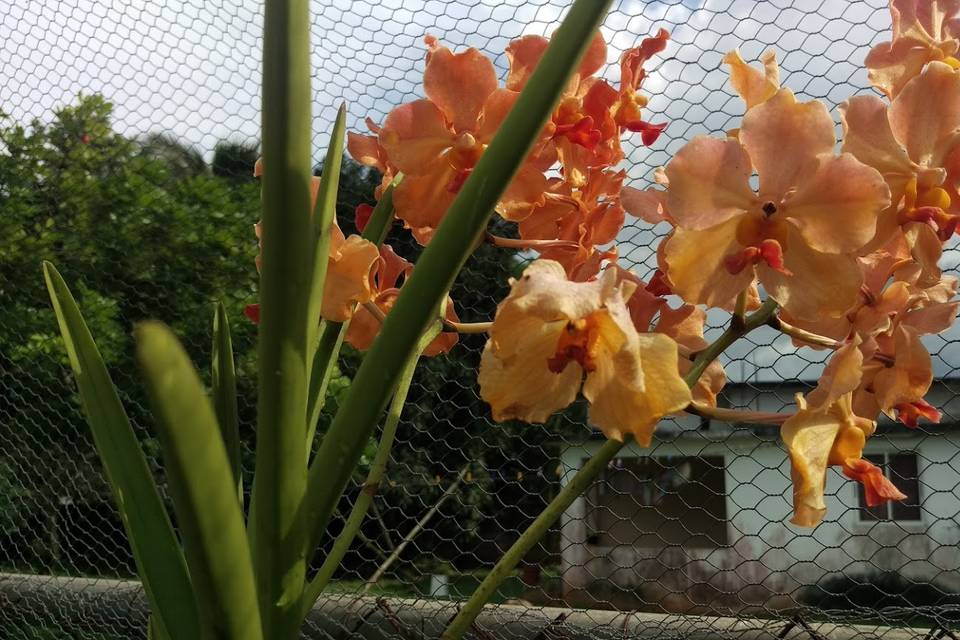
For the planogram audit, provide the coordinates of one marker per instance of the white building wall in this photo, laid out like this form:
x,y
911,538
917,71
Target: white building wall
x,y
768,560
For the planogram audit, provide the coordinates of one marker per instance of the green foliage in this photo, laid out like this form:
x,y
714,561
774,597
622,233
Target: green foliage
x,y
234,160
140,232
154,543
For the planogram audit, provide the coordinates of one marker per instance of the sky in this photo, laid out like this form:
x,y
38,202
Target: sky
x,y
191,68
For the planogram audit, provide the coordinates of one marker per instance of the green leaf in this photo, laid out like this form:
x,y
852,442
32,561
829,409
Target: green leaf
x,y
159,559
324,215
288,321
202,485
420,299
381,219
332,333
224,382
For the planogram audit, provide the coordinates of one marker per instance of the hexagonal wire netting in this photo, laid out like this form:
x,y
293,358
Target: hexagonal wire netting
x,y
154,219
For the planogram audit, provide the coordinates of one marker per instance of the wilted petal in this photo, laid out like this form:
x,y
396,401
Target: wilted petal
x,y
632,60
784,138
841,376
709,182
753,85
694,263
639,386
809,436
414,135
926,115
459,84
877,487
836,210
818,283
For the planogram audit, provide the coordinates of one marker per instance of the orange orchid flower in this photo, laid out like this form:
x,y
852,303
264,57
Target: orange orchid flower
x,y
437,141
819,436
350,265
552,338
586,126
923,31
632,75
914,145
588,216
786,234
385,282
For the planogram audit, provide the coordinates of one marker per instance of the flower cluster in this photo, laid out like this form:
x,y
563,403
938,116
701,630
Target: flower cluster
x,y
843,244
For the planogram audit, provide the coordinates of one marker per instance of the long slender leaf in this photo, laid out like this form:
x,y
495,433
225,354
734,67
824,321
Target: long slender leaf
x,y
439,264
287,322
332,333
224,383
323,217
202,485
156,550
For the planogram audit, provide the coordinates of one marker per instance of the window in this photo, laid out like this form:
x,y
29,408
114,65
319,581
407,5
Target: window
x,y
902,470
657,501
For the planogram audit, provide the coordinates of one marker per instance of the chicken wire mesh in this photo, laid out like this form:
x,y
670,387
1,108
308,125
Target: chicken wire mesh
x,y
129,137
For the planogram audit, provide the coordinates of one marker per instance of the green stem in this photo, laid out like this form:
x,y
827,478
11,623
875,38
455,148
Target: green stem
x,y
286,325
529,538
579,483
462,227
733,333
370,486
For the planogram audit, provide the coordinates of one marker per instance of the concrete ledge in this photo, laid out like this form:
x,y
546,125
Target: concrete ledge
x,y
118,606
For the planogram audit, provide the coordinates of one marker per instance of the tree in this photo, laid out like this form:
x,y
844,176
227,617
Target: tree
x,y
143,232
182,160
235,160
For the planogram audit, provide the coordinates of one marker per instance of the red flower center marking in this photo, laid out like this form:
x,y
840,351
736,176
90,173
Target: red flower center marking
x,y
578,343
768,251
909,413
580,132
648,131
877,487
943,223
362,216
